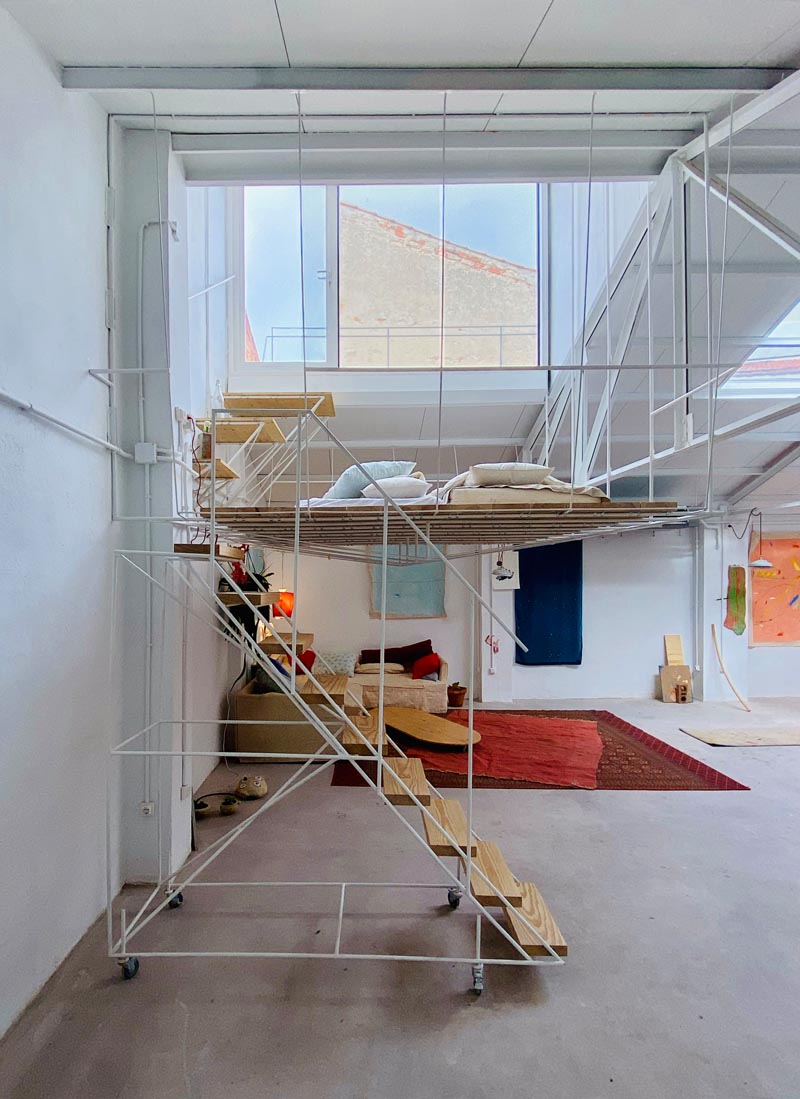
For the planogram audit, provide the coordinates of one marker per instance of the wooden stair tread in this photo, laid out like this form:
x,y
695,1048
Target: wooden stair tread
x,y
490,860
536,911
368,726
412,772
449,814
257,598
239,431
274,647
224,552
224,471
281,404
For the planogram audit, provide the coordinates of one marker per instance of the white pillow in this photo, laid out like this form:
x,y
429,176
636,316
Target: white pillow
x,y
507,473
454,482
374,669
398,488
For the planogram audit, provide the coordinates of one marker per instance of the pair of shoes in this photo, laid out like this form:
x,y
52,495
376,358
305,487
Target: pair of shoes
x,y
253,786
228,805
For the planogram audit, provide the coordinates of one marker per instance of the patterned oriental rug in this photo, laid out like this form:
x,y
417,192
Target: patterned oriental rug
x,y
557,749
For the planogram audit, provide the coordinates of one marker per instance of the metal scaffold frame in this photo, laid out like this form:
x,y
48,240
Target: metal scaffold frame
x,y
200,586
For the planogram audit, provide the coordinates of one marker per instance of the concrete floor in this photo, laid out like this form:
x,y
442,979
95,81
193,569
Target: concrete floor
x,y
680,909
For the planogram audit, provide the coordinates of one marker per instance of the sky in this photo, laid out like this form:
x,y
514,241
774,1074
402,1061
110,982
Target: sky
x,y
499,219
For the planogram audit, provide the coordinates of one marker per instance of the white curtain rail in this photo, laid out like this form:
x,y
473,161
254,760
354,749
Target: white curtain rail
x,y
40,414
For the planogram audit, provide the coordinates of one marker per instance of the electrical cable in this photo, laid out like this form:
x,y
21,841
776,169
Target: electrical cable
x,y
441,301
578,419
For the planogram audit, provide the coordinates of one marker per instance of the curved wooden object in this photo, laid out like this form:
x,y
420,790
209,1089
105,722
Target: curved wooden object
x,y
723,669
428,728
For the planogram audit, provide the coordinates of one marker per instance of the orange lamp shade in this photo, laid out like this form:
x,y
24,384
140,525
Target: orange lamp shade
x,y
285,605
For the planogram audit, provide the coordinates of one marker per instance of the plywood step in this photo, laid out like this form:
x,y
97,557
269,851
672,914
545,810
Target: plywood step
x,y
368,726
412,773
536,911
239,431
281,404
257,598
449,814
224,471
490,860
224,552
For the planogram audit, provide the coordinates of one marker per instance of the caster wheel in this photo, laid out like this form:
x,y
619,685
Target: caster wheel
x,y
454,897
130,967
175,901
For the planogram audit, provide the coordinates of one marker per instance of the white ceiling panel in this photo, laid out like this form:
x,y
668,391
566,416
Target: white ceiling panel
x,y
417,32
664,32
151,32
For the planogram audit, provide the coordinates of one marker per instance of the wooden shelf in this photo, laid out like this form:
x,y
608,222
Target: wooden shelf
x,y
239,431
224,471
280,404
536,911
490,860
412,772
450,816
201,549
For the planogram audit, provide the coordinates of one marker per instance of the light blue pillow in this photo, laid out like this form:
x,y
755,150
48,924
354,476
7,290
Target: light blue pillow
x,y
351,483
336,663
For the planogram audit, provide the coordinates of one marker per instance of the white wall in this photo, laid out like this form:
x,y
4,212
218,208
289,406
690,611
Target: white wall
x,y
333,603
55,534
636,588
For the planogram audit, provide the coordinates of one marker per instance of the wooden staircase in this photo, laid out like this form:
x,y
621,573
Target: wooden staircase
x,y
523,898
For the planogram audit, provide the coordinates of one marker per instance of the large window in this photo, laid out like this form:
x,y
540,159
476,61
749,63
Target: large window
x,y
378,291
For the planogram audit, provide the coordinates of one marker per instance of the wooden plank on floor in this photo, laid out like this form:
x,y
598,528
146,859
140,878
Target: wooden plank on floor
x,y
536,911
412,772
490,860
449,814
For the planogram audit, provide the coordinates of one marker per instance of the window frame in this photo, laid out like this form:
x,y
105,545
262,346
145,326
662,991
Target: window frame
x,y
244,375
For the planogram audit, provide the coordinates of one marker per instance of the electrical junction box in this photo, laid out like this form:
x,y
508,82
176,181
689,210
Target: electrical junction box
x,y
144,453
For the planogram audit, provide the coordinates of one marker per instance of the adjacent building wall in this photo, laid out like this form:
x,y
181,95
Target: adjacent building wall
x,y
55,534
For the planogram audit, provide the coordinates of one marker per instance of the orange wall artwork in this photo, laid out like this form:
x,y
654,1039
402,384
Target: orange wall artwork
x,y
775,591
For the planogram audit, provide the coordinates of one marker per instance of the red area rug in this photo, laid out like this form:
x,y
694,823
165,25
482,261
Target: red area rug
x,y
509,756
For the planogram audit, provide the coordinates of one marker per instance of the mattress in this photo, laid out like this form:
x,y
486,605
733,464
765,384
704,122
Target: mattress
x,y
531,495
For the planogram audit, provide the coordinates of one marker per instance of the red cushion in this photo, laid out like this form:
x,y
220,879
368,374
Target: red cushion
x,y
307,659
425,665
402,654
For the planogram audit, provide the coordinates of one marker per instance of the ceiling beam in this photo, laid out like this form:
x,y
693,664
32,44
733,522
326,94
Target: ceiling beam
x,y
782,92
195,143
635,78
753,484
774,230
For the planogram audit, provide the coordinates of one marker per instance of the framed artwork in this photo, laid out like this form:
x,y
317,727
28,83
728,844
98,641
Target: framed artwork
x,y
415,583
775,591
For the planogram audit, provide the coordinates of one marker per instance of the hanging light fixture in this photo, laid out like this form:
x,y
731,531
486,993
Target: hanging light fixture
x,y
760,562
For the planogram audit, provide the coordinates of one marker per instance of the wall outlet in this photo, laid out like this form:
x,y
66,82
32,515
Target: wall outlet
x,y
181,416
148,808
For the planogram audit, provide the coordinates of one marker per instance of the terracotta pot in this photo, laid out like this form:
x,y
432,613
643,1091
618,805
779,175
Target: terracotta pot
x,y
456,695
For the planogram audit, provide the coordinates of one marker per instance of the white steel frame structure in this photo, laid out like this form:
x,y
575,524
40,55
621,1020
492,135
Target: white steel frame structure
x,y
168,891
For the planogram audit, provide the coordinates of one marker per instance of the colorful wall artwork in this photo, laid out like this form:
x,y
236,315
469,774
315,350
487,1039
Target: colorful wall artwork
x,y
737,599
775,591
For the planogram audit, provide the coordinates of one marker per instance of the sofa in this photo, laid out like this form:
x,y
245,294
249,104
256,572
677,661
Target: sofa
x,y
399,689
291,731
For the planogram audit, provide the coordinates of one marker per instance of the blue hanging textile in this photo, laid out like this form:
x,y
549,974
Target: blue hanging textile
x,y
548,604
